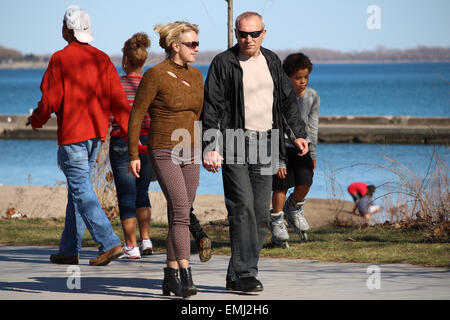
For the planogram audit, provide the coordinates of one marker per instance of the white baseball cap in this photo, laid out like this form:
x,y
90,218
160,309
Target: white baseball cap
x,y
78,20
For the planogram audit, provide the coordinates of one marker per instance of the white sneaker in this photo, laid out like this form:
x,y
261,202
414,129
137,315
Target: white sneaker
x,y
146,247
130,252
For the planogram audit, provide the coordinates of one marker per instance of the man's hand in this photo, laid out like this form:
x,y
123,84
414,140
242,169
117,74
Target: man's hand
x,y
212,161
301,145
281,173
135,167
314,165
29,123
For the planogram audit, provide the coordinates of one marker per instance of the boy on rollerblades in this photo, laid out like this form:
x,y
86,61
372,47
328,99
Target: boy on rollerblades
x,y
297,171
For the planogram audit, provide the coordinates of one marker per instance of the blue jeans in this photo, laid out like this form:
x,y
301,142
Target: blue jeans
x,y
132,193
83,209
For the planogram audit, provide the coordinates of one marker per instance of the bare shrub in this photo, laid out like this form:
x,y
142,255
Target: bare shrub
x,y
421,197
411,199
159,206
103,181
423,202
335,197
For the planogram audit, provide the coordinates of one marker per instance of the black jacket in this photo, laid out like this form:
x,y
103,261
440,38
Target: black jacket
x,y
223,106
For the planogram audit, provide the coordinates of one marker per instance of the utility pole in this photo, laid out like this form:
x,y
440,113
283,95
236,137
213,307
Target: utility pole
x,y
230,23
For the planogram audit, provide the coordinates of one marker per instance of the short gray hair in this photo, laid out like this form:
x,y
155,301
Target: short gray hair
x,y
247,15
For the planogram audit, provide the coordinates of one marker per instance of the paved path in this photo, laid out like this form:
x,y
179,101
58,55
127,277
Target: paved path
x,y
26,273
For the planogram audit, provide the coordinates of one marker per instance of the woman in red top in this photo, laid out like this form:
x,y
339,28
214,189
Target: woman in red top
x,y
132,193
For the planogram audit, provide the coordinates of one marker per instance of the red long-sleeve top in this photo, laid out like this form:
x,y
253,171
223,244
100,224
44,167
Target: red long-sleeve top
x,y
358,187
82,86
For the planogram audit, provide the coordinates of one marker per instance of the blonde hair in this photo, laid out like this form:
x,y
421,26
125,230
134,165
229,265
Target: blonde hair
x,y
135,49
173,32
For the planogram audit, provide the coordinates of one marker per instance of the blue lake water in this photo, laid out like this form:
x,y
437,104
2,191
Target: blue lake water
x,y
33,162
415,89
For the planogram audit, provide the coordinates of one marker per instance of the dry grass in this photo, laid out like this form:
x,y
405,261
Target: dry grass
x,y
423,201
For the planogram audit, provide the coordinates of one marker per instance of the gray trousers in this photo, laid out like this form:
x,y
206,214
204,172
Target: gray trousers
x,y
247,193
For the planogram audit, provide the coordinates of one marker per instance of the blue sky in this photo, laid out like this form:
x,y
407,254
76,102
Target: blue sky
x,y
35,26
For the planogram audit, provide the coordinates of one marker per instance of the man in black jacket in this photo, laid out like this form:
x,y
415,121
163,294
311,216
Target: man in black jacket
x,y
249,101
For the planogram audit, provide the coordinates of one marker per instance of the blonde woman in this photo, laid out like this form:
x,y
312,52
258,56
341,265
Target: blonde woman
x,y
172,92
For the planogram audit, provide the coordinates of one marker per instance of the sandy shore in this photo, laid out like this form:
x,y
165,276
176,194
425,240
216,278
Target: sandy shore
x,y
50,202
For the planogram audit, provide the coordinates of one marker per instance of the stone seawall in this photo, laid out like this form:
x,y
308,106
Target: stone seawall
x,y
332,129
384,129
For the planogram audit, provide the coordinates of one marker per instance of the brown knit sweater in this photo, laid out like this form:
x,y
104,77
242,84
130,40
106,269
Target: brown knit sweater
x,y
173,95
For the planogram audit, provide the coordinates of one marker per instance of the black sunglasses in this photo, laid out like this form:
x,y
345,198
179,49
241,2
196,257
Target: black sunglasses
x,y
253,34
192,44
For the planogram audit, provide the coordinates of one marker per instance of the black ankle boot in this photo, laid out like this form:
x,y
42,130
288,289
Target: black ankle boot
x,y
188,287
171,283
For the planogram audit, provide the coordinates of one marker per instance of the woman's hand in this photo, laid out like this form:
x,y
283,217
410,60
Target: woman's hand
x,y
135,167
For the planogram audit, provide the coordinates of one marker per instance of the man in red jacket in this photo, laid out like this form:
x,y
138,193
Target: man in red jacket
x,y
82,87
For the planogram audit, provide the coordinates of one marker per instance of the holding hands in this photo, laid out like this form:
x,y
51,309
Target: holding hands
x,y
212,161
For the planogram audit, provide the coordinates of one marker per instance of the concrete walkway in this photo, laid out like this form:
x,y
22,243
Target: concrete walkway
x,y
27,274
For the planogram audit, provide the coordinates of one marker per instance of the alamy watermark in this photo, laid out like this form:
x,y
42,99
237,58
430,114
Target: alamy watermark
x,y
374,20
374,280
74,279
238,146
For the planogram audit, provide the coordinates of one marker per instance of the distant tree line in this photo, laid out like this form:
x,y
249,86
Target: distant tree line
x,y
317,55
381,54
11,55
